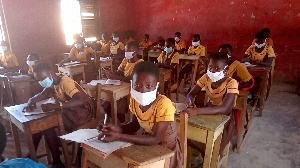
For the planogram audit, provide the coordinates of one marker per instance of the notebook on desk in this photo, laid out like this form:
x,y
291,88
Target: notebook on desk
x,y
105,82
38,109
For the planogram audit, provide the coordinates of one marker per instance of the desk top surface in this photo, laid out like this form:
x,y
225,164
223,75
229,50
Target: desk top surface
x,y
113,88
209,122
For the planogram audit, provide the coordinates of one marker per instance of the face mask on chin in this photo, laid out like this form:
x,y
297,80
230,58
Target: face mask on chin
x,y
196,43
146,98
47,82
216,76
177,39
168,50
260,45
116,39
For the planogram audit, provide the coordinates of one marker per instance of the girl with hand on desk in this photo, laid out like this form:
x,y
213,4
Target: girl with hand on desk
x,y
222,92
76,106
152,111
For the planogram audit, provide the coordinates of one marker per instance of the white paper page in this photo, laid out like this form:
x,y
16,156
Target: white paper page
x,y
247,64
38,109
95,82
113,82
81,135
179,107
71,63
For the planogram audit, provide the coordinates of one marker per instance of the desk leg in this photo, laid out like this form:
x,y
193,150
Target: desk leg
x,y
262,96
162,86
195,73
169,88
242,125
215,154
84,161
30,143
61,131
114,113
16,140
100,73
208,150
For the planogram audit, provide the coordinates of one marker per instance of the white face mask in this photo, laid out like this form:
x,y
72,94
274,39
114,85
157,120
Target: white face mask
x,y
217,75
4,48
129,55
196,43
260,45
30,63
146,98
116,39
177,39
78,46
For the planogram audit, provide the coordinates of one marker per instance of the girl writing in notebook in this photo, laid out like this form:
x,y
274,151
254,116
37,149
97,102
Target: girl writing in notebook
x,y
152,111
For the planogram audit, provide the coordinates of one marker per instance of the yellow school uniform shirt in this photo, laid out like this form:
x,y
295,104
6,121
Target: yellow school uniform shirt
x,y
161,109
268,50
180,45
105,46
240,70
199,50
114,48
127,41
8,59
127,67
173,55
269,41
80,56
30,70
144,44
216,96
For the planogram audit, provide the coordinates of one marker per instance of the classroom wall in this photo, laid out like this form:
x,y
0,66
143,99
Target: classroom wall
x,y
227,21
34,26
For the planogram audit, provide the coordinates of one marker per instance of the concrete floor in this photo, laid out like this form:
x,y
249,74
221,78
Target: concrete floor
x,y
274,141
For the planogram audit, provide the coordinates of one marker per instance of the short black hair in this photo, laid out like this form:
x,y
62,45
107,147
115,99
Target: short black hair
x,y
178,33
35,56
266,30
147,36
146,67
41,66
171,40
115,33
226,46
196,36
162,41
220,56
260,35
133,44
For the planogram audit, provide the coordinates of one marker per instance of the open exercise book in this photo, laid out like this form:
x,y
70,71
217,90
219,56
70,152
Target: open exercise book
x,y
38,109
105,82
90,137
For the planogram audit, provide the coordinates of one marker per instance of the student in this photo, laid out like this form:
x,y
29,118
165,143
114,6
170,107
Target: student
x,y
105,44
259,54
128,35
116,50
221,91
160,46
168,58
77,107
79,52
236,69
7,59
152,111
32,59
267,32
195,49
180,45
124,74
146,42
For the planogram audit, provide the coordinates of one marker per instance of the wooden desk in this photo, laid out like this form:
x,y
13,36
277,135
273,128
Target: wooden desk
x,y
136,156
153,54
165,75
73,69
207,129
191,59
263,73
112,93
104,63
34,124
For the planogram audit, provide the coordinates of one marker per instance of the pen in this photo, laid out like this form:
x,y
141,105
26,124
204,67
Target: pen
x,y
189,98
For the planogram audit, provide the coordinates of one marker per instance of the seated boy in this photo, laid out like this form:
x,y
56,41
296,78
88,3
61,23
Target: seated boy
x,y
168,58
146,43
259,54
7,59
105,44
32,59
76,106
152,111
160,46
116,50
221,91
35,87
124,74
180,45
128,35
195,49
267,32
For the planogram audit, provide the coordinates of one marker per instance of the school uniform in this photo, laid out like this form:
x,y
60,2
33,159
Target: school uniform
x,y
160,110
216,96
267,51
144,44
180,45
80,56
129,40
238,71
127,67
77,116
30,69
105,46
164,57
114,48
269,41
8,59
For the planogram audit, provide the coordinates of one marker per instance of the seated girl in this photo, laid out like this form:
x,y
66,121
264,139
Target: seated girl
x,y
152,111
221,91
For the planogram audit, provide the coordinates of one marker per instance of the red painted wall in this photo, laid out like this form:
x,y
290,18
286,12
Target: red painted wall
x,y
34,26
233,22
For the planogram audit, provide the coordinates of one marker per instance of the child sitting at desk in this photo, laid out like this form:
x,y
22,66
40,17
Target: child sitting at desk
x,y
116,50
146,43
124,74
105,44
195,49
267,32
79,52
128,35
221,91
76,106
7,59
152,111
180,45
168,58
160,46
32,59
